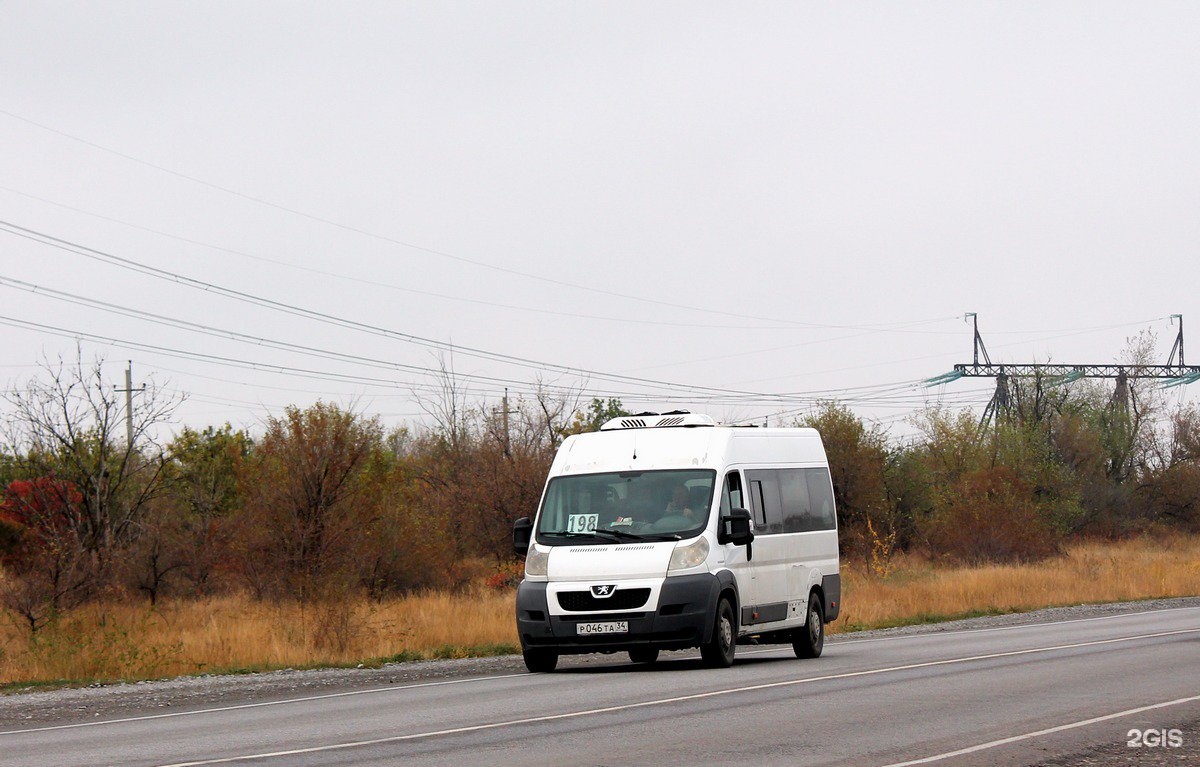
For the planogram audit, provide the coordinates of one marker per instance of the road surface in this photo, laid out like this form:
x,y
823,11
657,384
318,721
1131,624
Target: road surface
x,y
1063,692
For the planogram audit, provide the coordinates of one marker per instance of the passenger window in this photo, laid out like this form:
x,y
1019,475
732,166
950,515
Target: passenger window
x,y
820,492
798,515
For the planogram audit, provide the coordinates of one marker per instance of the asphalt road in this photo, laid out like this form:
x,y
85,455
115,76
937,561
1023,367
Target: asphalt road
x,y
1066,692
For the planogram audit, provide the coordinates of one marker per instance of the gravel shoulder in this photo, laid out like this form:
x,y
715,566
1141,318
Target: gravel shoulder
x,y
38,708
1119,754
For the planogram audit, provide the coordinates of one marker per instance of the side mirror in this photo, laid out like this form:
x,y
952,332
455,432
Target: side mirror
x,y
522,532
736,528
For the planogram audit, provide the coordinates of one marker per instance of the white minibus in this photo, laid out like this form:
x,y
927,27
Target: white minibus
x,y
666,532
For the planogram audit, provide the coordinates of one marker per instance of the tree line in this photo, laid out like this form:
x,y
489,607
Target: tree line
x,y
323,503
326,503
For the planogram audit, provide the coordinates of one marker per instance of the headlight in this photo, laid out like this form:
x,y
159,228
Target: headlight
x,y
688,555
536,561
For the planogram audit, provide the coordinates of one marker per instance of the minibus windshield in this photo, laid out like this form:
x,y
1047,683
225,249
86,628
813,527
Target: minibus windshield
x,y
626,505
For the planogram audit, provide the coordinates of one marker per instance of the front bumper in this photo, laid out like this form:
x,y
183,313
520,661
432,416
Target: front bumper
x,y
682,619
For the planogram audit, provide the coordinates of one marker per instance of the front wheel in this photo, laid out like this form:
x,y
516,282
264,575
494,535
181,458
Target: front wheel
x,y
644,655
810,640
718,651
539,660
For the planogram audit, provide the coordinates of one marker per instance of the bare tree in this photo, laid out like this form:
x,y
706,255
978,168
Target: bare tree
x,y
448,406
556,413
68,421
1137,418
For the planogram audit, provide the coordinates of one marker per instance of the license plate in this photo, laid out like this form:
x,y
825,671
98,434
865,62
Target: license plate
x,y
610,627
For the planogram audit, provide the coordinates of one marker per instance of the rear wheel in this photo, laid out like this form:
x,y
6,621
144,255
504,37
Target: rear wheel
x,y
539,660
644,655
718,651
810,640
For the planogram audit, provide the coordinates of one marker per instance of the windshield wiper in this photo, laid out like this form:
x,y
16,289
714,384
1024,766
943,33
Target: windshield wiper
x,y
648,537
663,537
602,534
616,536
628,535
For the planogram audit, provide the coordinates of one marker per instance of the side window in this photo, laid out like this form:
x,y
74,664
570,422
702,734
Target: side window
x,y
731,495
820,492
798,515
764,500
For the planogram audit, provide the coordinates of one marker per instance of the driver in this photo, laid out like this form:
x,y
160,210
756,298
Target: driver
x,y
678,507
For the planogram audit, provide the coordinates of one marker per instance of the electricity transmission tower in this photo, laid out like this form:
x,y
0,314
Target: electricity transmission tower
x,y
1046,375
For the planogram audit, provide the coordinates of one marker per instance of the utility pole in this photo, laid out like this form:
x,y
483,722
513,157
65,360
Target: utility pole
x,y
504,413
504,405
129,392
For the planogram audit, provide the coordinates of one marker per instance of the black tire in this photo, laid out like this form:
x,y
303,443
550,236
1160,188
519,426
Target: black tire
x,y
644,655
718,651
810,640
539,660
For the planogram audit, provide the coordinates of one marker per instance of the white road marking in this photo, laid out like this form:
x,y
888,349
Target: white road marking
x,y
833,638
1047,731
664,701
846,639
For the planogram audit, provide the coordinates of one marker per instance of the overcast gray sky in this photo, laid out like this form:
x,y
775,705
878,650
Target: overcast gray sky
x,y
783,199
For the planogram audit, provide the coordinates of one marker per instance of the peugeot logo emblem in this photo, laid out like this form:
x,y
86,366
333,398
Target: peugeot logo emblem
x,y
603,591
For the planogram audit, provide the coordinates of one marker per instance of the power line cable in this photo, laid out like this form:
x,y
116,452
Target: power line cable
x,y
204,357
234,335
785,347
703,392
311,314
942,355
369,380
390,285
411,245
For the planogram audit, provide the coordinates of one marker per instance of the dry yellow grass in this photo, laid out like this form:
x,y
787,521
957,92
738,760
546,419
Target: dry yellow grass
x,y
231,633
917,592
129,641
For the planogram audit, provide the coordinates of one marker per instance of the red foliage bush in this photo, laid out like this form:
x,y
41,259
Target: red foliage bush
x,y
40,514
508,576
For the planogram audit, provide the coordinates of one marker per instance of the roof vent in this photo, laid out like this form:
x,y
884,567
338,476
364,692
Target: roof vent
x,y
656,421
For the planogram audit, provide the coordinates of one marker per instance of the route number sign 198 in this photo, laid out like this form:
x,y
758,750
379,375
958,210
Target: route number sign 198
x,y
582,523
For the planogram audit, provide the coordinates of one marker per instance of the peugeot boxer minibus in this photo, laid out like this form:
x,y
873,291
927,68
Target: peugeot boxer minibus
x,y
666,532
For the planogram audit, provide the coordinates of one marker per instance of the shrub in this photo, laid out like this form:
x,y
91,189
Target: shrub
x,y
990,515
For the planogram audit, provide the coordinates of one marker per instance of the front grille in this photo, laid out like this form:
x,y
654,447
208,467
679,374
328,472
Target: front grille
x,y
583,601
